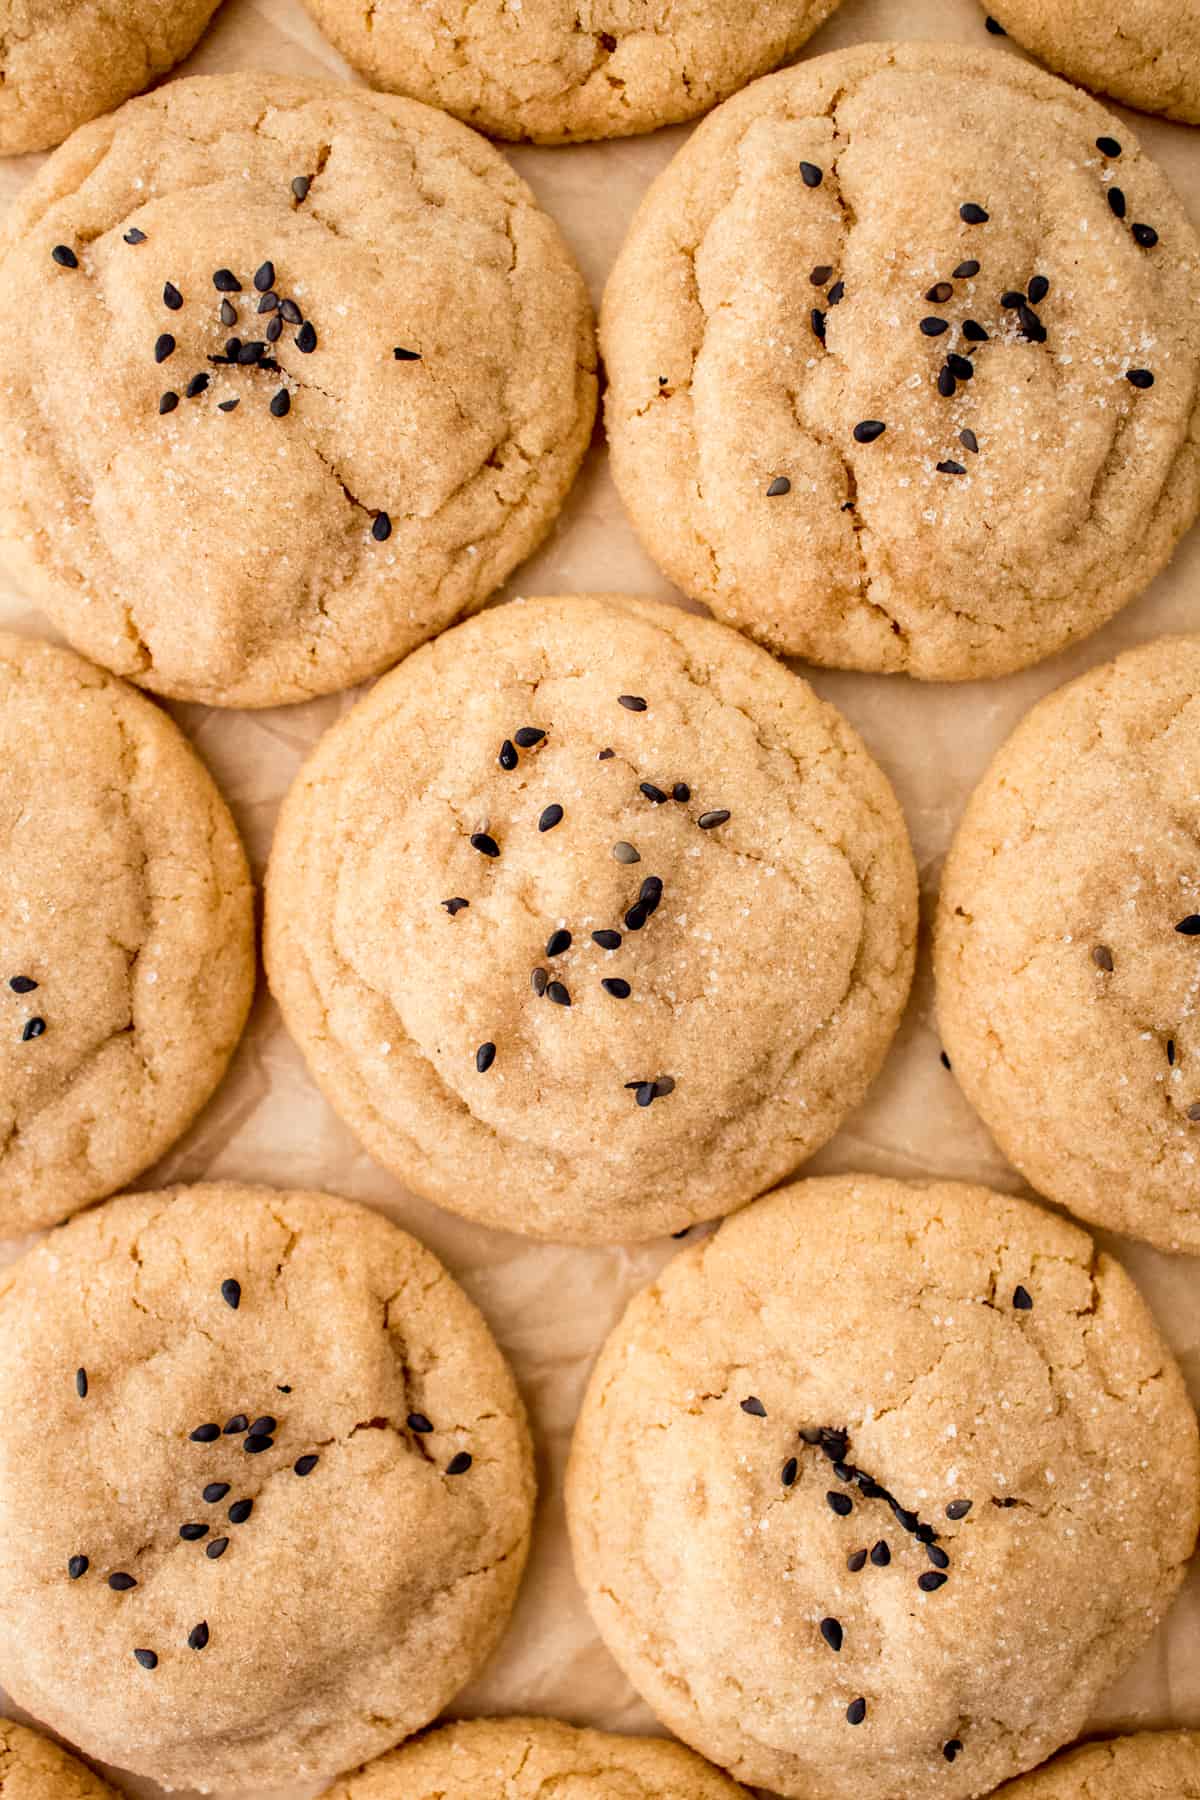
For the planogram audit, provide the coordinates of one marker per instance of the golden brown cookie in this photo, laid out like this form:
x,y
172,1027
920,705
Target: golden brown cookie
x,y
1151,1765
535,1759
34,1767
328,374
265,1486
904,360
127,925
1144,52
875,1490
1067,950
63,62
557,70
591,920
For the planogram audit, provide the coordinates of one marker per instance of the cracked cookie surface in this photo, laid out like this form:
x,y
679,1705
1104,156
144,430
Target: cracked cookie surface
x,y
1149,1765
127,920
562,70
877,1488
63,62
1067,957
331,373
34,1767
536,1759
597,986
220,1345
870,343
1146,53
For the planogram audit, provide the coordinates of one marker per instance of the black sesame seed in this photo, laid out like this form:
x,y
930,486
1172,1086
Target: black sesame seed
x,y
281,406
780,485
217,1548
264,1426
81,1383
508,757
605,755
681,791
240,1511
381,528
558,993
216,1490
840,1503
631,702
820,275
551,816
419,1423
198,1636
528,736
1140,378
1039,287
754,1406
1011,299
973,332
1108,146
485,1056
291,312
172,297
969,441
167,402
557,942
64,256
486,846
147,1658
708,821
268,304
274,330
931,1581
406,355
1031,325
951,1749
934,327
636,917
945,1060
539,980
663,1086
939,293
625,853
789,1472
831,1631
196,386
937,1556
817,319
1171,1050
264,277
256,1443
235,1426
811,175
644,1094
228,313
306,338
651,893
960,367
949,467
946,384
1116,201
856,1712
206,1434
77,1566
1022,1299
193,1532
607,940
620,990
301,185
164,347
995,27
867,430
966,270
305,1465
652,793
856,1561
1189,927
881,1554
22,984
120,1583
836,293
134,236
1145,235
458,1465
226,282
972,214
844,1472
958,1509
455,905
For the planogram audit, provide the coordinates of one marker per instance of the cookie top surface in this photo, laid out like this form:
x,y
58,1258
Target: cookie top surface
x,y
33,1767
1146,54
432,919
1068,975
375,1429
1150,1765
536,1759
877,1488
127,919
876,428
554,70
67,61
400,444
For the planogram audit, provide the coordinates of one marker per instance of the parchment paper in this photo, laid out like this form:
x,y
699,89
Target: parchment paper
x,y
551,1308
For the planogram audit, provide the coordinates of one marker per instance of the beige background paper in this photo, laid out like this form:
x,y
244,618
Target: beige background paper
x,y
551,1308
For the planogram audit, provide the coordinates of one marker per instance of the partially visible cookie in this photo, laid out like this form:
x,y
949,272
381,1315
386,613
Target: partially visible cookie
x,y
1067,948
1144,52
904,363
876,1489
558,70
126,934
1151,1765
34,1767
63,62
291,376
265,1485
591,920
532,1759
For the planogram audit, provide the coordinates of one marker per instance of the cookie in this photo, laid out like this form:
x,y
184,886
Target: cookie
x,y
329,374
556,71
127,921
875,1490
63,64
33,1767
591,920
1066,955
1146,54
531,1759
904,361
1152,1765
250,1402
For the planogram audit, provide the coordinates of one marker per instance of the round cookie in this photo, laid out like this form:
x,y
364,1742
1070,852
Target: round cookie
x,y
330,375
875,1490
532,1759
127,920
1151,1765
33,1767
557,70
591,920
892,385
280,1398
63,62
1146,54
1067,968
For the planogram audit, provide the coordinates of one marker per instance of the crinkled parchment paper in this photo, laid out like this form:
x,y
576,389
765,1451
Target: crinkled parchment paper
x,y
551,1308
